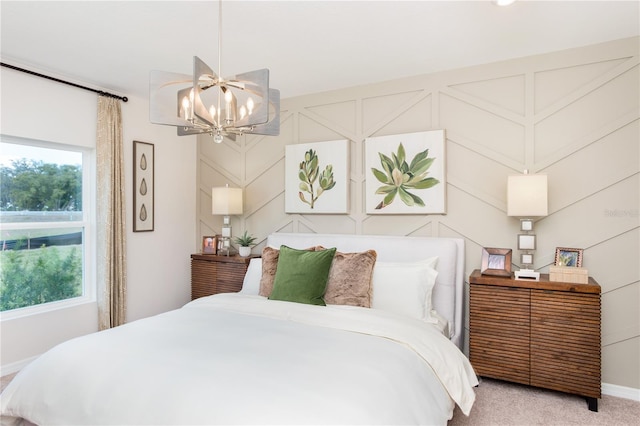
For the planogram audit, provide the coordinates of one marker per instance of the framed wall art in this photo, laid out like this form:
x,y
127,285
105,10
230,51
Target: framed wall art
x,y
317,178
569,257
143,177
405,174
496,261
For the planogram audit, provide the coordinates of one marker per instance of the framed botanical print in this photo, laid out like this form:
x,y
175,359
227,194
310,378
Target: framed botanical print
x,y
405,174
316,177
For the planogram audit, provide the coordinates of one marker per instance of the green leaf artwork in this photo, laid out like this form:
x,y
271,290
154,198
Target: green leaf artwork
x,y
309,174
398,177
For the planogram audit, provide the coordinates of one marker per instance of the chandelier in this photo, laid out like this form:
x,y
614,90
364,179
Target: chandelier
x,y
208,103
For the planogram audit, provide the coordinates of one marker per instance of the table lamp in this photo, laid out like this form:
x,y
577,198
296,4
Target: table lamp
x,y
227,202
527,199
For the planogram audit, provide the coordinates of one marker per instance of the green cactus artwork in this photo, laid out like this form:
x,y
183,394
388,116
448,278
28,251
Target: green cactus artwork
x,y
399,177
313,183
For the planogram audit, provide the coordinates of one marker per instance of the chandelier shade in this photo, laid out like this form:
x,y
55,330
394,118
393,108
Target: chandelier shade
x,y
207,103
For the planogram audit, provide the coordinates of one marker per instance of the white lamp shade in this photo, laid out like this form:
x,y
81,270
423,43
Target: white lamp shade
x,y
527,195
226,201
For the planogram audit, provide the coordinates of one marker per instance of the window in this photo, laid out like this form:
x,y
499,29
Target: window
x,y
45,232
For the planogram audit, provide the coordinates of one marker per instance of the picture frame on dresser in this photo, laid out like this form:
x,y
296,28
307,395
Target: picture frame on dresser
x,y
210,244
496,261
571,257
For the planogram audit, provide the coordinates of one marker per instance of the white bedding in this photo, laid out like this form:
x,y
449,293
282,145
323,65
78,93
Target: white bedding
x,y
251,361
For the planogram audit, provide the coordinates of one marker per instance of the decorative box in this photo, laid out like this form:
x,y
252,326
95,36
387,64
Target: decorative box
x,y
569,274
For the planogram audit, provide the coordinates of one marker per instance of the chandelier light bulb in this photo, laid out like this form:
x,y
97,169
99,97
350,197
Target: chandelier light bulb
x,y
185,107
243,112
250,105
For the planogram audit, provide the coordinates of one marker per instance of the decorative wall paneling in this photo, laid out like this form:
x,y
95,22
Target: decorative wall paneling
x,y
573,115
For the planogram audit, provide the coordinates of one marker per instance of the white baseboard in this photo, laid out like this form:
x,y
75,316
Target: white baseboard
x,y
621,391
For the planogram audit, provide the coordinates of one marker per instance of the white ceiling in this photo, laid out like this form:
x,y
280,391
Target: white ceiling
x,y
309,46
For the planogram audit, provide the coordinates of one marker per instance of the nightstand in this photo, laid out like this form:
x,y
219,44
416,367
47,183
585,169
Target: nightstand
x,y
538,333
212,274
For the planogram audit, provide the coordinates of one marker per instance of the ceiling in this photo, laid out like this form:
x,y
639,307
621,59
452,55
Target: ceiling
x,y
309,46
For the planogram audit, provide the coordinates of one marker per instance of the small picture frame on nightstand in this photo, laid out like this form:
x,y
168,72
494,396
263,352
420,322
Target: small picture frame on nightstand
x,y
496,261
209,244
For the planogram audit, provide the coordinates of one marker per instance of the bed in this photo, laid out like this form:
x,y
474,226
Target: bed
x,y
249,358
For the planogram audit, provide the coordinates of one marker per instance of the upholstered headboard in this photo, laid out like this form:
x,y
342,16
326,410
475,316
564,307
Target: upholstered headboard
x,y
448,292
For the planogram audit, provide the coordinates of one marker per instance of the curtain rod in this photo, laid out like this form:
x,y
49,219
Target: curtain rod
x,y
100,92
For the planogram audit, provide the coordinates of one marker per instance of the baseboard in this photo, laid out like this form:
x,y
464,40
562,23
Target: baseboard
x,y
15,366
621,391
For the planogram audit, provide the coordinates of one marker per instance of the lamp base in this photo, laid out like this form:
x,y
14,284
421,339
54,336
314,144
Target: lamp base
x,y
527,274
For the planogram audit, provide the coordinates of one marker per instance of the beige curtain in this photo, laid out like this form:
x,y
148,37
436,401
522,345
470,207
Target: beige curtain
x,y
111,232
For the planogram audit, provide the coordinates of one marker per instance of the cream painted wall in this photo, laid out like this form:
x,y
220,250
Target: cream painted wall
x,y
573,115
158,270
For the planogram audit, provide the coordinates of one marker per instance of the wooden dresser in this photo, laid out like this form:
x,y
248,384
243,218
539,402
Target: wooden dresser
x,y
539,333
212,274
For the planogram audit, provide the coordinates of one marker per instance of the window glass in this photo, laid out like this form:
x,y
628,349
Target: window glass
x,y
42,224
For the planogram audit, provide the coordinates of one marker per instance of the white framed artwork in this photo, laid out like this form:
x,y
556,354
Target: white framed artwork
x,y
405,174
317,178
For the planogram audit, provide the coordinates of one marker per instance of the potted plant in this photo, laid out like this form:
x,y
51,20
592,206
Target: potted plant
x,y
245,241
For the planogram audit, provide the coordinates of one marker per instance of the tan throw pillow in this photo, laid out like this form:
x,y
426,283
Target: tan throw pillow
x,y
269,266
350,279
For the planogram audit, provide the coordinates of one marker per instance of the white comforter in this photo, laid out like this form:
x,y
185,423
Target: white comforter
x,y
238,359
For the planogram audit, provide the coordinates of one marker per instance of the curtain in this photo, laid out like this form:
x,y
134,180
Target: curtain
x,y
111,236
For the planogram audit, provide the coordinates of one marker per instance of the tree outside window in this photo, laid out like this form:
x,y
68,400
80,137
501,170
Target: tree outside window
x,y
42,227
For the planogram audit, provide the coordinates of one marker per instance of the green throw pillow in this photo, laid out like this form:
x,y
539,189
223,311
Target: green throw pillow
x,y
302,275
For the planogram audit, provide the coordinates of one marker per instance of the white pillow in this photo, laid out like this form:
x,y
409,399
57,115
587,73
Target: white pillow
x,y
405,287
251,282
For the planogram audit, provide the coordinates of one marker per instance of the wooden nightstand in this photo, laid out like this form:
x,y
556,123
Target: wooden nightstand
x,y
539,333
211,274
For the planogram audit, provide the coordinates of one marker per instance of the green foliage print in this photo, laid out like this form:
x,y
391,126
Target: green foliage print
x,y
309,173
398,177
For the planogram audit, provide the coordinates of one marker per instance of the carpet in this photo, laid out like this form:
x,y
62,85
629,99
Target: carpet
x,y
503,403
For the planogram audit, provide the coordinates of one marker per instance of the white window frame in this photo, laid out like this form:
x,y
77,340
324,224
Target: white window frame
x,y
88,225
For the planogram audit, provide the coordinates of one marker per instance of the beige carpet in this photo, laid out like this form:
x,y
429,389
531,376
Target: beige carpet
x,y
502,403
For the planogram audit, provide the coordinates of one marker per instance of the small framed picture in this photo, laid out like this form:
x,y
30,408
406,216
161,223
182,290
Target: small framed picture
x,y
526,259
569,257
496,261
209,245
526,225
526,242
